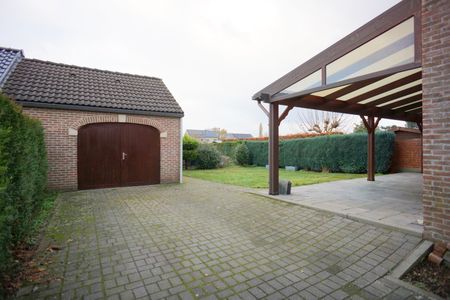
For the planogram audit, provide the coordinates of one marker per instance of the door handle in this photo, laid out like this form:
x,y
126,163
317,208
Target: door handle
x,y
124,156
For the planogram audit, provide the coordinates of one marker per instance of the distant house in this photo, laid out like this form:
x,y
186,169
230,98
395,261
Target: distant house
x,y
204,136
238,136
213,135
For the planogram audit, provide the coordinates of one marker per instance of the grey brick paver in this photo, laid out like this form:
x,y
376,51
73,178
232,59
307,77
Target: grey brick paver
x,y
225,294
212,241
140,292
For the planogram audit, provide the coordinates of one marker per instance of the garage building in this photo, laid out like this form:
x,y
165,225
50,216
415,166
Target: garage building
x,y
102,129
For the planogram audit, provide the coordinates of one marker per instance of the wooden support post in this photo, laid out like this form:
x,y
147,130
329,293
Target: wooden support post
x,y
273,150
371,125
370,149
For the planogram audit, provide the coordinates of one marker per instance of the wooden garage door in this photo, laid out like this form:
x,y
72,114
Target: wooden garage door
x,y
117,154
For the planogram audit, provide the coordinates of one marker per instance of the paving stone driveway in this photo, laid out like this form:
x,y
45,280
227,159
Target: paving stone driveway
x,y
206,240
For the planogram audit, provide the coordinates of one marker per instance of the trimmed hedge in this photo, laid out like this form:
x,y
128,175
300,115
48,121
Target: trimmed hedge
x,y
23,177
259,152
336,153
228,147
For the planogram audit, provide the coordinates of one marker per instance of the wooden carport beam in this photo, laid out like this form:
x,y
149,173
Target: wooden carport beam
x,y
263,108
387,87
285,113
320,103
371,125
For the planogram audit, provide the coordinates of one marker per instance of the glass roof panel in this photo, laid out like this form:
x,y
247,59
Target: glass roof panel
x,y
311,81
393,48
407,104
327,92
379,83
398,99
403,87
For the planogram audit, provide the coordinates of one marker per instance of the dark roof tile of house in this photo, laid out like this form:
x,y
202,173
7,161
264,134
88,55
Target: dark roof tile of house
x,y
43,83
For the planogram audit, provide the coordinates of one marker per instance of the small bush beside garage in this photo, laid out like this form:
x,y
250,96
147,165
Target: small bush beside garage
x,y
208,157
190,154
228,148
242,154
23,178
199,156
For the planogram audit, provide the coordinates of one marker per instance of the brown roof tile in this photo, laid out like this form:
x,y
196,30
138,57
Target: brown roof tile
x,y
35,82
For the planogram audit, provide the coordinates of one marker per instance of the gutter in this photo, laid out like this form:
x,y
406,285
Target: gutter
x,y
98,109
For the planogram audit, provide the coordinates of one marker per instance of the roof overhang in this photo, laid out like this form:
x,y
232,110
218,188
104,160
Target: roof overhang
x,y
376,70
98,109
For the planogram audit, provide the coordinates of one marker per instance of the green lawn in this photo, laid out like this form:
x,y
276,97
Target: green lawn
x,y
258,177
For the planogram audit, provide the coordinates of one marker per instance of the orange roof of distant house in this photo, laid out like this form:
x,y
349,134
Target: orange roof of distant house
x,y
287,137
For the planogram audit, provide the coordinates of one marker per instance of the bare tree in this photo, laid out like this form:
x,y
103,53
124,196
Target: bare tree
x,y
223,134
321,121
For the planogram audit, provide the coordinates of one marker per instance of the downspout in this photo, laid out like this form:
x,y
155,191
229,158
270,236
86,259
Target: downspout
x,y
181,150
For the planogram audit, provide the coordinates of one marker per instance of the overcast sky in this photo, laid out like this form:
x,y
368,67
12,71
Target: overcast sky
x,y
212,55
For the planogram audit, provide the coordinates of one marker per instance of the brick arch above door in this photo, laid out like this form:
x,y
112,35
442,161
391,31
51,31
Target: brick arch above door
x,y
75,126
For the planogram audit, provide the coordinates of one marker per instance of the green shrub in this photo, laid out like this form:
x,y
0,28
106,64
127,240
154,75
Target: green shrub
x,y
242,155
228,148
23,177
337,153
225,161
208,157
190,153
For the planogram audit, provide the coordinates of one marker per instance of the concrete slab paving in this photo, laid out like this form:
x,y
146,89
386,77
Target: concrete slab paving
x,y
203,240
391,200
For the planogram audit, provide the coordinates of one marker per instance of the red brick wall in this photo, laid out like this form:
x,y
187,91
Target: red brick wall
x,y
436,118
62,146
407,154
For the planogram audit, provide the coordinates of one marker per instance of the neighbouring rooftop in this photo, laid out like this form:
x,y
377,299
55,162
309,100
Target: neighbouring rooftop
x,y
215,134
8,60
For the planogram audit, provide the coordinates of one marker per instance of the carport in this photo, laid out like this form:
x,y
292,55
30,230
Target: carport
x,y
375,72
